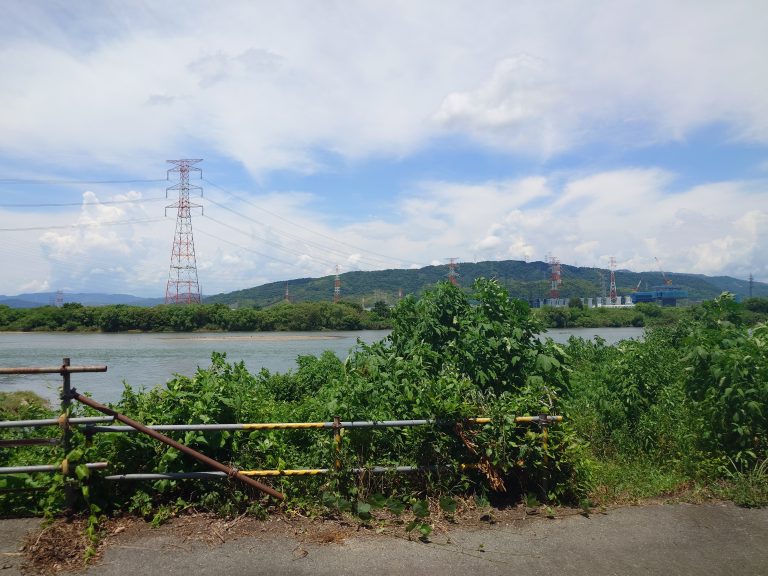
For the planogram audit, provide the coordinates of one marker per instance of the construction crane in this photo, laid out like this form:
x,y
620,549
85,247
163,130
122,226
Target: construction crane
x,y
667,281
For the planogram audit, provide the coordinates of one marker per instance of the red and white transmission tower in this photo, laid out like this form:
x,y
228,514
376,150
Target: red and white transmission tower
x,y
453,276
554,278
613,295
337,285
183,287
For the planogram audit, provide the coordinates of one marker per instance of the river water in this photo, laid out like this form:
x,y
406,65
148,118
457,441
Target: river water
x,y
148,360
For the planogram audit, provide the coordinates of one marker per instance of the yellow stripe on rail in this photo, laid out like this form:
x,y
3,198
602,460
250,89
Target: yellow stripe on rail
x,y
281,425
300,472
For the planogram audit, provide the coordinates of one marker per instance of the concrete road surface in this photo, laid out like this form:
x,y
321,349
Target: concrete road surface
x,y
672,539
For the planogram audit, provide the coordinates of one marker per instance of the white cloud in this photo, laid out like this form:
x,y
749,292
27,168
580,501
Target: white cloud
x,y
284,86
270,86
519,107
629,214
33,286
632,215
487,243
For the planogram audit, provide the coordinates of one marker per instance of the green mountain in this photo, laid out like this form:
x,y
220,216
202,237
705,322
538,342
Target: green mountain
x,y
525,280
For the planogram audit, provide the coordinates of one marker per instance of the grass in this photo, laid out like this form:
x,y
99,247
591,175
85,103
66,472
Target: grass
x,y
632,481
748,489
12,402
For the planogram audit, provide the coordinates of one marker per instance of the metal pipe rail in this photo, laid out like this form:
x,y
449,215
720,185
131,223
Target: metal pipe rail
x,y
49,468
63,369
234,473
286,472
306,425
54,421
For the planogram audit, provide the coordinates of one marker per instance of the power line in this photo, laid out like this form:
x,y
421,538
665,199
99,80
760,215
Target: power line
x,y
83,225
297,238
270,242
386,259
65,204
315,232
61,181
270,257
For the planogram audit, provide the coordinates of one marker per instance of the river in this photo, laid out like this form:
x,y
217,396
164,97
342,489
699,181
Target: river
x,y
147,360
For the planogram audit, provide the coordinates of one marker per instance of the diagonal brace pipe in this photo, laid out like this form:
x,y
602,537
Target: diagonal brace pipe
x,y
232,472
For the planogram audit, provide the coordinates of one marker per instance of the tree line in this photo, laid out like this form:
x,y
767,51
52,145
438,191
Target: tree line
x,y
74,317
311,316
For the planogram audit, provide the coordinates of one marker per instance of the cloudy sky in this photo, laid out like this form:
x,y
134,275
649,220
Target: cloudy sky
x,y
380,134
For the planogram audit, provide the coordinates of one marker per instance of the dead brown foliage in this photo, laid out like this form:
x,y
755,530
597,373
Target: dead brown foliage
x,y
56,547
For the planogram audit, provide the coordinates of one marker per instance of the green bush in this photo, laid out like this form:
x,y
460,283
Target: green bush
x,y
683,404
726,369
450,356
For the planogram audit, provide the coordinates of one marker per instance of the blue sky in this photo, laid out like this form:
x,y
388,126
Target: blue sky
x,y
377,135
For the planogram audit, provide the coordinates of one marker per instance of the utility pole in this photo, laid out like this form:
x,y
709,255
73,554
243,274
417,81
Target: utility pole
x,y
337,285
453,276
555,279
613,295
183,286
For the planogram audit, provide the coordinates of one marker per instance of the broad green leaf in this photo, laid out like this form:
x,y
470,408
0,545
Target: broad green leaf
x,y
421,509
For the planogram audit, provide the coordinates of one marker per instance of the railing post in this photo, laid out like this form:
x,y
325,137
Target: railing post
x,y
337,441
66,436
544,420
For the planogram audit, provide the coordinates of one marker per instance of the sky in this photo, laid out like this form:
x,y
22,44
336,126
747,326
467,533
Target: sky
x,y
379,134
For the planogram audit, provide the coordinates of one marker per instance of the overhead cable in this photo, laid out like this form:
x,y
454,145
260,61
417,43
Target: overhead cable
x,y
63,181
83,225
315,232
282,232
270,242
98,202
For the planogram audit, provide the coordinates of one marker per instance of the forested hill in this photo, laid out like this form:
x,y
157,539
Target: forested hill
x,y
526,280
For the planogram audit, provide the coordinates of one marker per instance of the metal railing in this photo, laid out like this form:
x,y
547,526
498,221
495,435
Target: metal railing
x,y
337,425
93,425
63,421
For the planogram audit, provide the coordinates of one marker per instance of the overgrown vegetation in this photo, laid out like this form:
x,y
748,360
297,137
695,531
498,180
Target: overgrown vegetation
x,y
683,407
641,315
687,402
309,316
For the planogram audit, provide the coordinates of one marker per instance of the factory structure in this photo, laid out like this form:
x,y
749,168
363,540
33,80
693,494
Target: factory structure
x,y
664,295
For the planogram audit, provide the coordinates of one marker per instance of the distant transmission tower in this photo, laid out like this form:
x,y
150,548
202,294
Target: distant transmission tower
x,y
613,295
554,278
183,287
453,276
337,285
751,284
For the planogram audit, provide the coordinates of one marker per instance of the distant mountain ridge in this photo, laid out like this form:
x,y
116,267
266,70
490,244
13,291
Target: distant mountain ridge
x,y
525,280
37,299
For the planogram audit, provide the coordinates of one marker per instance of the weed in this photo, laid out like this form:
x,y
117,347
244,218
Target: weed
x,y
749,488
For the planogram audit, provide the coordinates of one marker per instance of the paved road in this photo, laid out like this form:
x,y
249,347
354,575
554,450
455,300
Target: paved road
x,y
679,539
